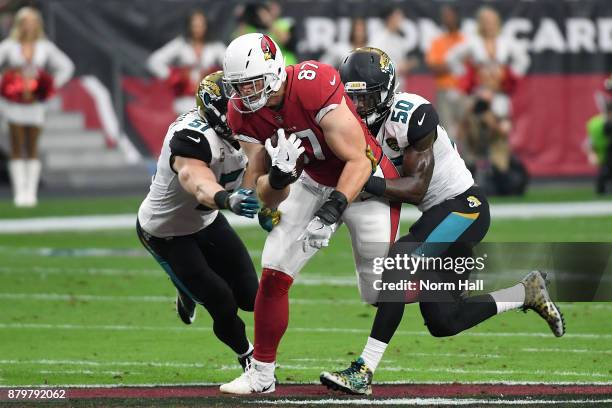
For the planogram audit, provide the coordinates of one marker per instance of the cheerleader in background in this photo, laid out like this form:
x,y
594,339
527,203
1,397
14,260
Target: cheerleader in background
x,y
185,60
32,67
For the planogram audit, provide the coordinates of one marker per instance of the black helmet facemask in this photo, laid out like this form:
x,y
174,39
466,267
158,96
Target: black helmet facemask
x,y
369,79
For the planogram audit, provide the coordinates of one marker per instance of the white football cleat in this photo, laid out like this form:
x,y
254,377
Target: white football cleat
x,y
257,378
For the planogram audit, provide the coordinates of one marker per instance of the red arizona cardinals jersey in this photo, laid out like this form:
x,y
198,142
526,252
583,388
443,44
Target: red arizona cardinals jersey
x,y
313,89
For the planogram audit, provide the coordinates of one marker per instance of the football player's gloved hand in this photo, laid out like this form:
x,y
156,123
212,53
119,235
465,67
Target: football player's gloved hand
x,y
241,202
284,157
324,224
317,234
268,218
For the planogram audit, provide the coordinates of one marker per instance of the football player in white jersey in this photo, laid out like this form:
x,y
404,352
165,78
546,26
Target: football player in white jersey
x,y
455,217
179,221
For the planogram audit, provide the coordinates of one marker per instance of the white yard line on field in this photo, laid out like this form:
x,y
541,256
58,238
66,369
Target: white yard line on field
x,y
562,350
89,363
123,221
397,382
69,297
302,367
43,326
79,223
84,252
156,299
304,279
87,372
502,372
412,354
49,270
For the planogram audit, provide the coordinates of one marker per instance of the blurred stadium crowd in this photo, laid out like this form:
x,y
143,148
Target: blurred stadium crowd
x,y
465,61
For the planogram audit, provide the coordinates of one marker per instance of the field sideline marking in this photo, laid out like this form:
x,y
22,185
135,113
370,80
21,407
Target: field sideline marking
x,y
396,382
155,299
418,354
46,326
304,280
300,367
170,299
123,221
560,350
87,372
427,401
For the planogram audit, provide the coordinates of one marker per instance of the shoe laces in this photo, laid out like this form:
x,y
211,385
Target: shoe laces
x,y
356,367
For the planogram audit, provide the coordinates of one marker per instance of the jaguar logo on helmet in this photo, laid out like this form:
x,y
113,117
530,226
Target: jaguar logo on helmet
x,y
385,63
211,90
268,48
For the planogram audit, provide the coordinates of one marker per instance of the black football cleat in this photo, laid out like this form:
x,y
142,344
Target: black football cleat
x,y
185,307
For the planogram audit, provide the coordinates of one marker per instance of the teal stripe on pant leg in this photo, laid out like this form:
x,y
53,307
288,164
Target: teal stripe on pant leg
x,y
166,266
168,269
448,231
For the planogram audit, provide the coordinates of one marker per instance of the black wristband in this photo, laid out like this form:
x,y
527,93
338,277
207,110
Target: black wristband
x,y
279,179
332,209
221,198
375,186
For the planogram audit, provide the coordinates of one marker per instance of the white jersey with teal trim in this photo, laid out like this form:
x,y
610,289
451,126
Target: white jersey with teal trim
x,y
169,210
450,175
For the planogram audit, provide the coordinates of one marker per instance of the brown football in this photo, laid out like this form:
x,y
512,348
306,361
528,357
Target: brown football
x,y
299,165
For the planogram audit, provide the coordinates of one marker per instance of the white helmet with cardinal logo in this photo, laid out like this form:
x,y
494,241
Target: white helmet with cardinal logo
x,y
253,69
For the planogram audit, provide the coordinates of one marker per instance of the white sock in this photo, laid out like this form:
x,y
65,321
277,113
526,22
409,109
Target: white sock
x,y
373,353
17,170
33,168
265,369
249,350
509,298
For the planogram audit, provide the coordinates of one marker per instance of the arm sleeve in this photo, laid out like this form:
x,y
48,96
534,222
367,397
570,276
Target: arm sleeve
x,y
422,122
159,62
61,66
190,144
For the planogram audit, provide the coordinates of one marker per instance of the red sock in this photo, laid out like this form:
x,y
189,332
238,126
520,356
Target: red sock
x,y
271,313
